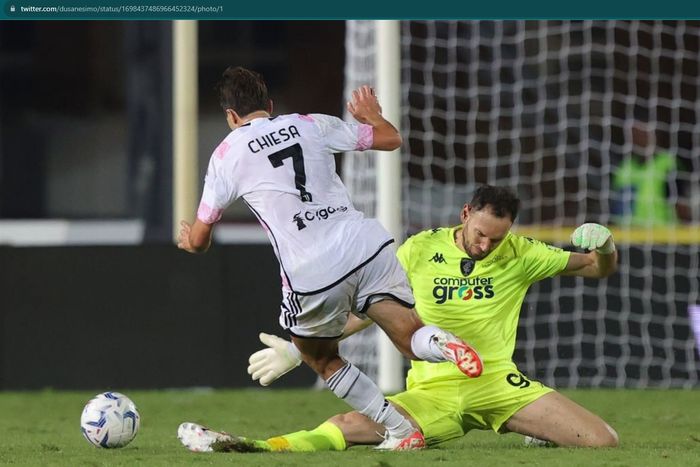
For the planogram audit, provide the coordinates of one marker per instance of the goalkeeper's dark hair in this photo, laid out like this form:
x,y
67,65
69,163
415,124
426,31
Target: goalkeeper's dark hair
x,y
501,202
243,91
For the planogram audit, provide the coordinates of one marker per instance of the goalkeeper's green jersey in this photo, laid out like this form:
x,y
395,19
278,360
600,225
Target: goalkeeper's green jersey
x,y
481,306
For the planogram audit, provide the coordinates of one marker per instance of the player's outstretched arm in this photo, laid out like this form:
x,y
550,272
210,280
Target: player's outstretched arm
x,y
365,107
195,238
601,261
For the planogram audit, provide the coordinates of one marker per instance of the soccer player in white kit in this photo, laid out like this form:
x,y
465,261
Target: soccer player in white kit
x,y
333,260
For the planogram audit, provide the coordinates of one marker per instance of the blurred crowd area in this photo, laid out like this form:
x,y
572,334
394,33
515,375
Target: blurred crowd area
x,y
586,120
86,114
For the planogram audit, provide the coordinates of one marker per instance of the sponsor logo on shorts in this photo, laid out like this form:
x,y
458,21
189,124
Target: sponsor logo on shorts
x,y
466,288
302,218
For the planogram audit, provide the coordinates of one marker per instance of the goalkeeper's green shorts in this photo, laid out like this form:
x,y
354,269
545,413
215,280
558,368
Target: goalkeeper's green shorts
x,y
447,409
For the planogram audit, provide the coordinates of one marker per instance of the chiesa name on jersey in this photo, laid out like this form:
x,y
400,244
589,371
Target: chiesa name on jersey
x,y
274,138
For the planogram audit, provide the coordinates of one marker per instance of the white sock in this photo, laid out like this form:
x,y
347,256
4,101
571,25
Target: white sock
x,y
424,347
360,392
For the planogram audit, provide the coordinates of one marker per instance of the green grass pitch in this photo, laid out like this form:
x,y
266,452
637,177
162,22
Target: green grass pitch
x,y
656,427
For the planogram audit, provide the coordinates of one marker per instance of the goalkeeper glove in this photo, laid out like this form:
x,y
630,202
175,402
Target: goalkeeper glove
x,y
279,358
593,237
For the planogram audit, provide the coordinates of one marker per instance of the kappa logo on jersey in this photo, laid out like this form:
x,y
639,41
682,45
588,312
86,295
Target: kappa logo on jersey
x,y
302,217
438,258
452,288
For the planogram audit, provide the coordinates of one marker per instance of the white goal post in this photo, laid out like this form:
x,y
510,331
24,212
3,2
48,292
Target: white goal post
x,y
388,88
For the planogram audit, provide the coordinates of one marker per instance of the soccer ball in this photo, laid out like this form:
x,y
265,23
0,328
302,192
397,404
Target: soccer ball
x,y
110,420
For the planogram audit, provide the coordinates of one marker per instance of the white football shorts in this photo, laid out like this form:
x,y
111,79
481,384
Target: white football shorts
x,y
324,313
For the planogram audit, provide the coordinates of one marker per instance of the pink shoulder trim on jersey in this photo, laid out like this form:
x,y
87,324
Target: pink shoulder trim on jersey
x,y
307,118
221,149
208,215
365,137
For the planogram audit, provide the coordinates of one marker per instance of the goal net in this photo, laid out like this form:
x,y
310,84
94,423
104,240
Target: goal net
x,y
570,115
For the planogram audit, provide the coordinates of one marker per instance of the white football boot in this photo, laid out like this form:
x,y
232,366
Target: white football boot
x,y
198,438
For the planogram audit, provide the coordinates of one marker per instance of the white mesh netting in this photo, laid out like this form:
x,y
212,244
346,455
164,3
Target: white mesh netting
x,y
552,109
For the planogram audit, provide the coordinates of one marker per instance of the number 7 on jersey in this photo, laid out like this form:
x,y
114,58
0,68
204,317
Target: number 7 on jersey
x,y
297,155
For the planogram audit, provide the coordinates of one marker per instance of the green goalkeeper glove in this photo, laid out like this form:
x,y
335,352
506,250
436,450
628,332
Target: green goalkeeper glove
x,y
593,237
280,357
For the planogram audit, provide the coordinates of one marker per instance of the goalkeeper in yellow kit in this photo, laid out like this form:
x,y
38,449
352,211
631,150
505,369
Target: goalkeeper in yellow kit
x,y
471,280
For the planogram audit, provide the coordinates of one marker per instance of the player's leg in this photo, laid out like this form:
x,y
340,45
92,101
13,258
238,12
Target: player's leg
x,y
420,342
325,437
336,434
553,417
315,321
320,354
398,322
358,429
352,385
376,415
506,400
385,297
434,409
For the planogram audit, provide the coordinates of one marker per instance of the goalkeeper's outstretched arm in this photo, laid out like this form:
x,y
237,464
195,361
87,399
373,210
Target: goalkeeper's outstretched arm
x,y
281,356
600,261
355,325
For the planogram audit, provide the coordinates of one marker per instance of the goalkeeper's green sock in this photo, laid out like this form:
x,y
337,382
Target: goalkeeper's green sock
x,y
325,437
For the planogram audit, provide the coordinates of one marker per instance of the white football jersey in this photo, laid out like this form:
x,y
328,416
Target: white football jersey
x,y
283,168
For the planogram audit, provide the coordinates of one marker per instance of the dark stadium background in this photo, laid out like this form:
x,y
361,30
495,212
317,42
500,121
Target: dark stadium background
x,y
85,133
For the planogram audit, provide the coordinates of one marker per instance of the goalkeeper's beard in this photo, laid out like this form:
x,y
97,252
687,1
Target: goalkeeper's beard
x,y
474,253
479,255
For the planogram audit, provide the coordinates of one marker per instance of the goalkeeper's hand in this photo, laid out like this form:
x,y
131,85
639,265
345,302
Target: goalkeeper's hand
x,y
279,358
593,237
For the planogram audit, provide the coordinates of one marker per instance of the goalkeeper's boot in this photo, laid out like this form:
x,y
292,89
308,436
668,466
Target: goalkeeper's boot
x,y
460,353
409,443
198,438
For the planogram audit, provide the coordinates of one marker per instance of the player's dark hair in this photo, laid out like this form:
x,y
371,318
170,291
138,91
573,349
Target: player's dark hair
x,y
500,201
242,90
